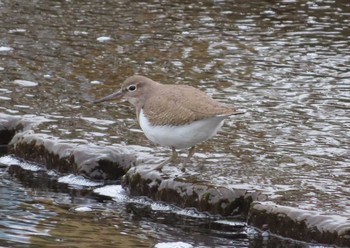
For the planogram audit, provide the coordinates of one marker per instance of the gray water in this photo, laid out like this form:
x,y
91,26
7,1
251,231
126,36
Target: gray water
x,y
284,63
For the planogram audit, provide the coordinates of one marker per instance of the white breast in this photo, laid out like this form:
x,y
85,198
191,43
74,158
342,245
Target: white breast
x,y
181,136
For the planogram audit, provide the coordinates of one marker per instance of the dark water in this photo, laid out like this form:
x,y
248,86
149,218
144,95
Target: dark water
x,y
285,63
42,209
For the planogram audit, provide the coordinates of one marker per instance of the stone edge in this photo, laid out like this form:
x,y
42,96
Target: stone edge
x,y
304,225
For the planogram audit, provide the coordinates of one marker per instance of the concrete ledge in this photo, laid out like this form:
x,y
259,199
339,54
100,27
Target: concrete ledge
x,y
185,190
79,157
66,156
309,226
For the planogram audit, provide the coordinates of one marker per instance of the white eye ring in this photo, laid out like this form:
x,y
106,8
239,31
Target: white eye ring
x,y
132,88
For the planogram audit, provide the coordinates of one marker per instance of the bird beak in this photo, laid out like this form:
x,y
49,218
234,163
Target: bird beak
x,y
115,96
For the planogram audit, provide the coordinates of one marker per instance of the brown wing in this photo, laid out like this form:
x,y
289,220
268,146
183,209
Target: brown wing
x,y
181,104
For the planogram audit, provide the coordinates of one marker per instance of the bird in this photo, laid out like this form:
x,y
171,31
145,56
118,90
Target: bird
x,y
173,115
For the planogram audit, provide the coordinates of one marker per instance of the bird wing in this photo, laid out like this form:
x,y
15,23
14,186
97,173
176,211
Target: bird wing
x,y
181,105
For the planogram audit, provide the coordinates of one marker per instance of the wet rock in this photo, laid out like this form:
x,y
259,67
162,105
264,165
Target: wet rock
x,y
19,136
35,179
20,123
309,226
69,156
8,126
186,190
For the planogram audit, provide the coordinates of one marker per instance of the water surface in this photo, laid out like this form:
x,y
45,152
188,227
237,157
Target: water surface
x,y
284,63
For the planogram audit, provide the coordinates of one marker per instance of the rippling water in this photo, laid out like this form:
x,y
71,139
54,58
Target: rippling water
x,y
46,209
35,214
284,63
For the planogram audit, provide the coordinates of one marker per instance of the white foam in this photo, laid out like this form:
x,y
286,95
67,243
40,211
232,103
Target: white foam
x,y
83,209
22,106
17,30
5,91
77,32
95,82
52,173
12,111
114,191
5,98
229,223
104,39
9,160
191,213
25,83
78,180
173,245
5,49
98,121
161,207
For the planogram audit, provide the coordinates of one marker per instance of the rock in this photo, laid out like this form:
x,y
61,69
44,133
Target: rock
x,y
185,190
11,124
8,126
67,156
309,226
23,122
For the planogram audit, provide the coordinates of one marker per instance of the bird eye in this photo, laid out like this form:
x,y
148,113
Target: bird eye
x,y
132,88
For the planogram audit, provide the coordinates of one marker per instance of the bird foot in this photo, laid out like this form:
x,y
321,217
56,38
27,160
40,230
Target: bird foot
x,y
170,161
161,165
174,159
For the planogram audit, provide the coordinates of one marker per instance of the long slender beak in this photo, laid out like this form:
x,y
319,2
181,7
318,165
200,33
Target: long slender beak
x,y
114,96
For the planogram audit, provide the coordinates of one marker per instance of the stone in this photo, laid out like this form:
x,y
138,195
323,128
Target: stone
x,y
309,226
188,191
67,156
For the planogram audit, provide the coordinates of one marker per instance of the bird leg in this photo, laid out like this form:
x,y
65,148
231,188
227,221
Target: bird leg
x,y
174,156
190,154
173,159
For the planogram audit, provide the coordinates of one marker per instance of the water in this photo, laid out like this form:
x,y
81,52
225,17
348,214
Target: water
x,y
31,219
284,63
41,209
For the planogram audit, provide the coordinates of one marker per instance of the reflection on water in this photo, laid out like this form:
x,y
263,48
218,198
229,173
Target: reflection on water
x,y
39,216
43,211
285,63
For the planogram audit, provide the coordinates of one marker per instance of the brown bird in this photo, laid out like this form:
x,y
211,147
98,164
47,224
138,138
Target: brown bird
x,y
178,116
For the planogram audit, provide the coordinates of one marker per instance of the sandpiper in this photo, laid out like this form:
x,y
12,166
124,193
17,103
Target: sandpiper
x,y
178,116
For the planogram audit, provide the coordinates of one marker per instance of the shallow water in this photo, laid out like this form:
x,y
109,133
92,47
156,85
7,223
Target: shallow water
x,y
284,63
41,208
